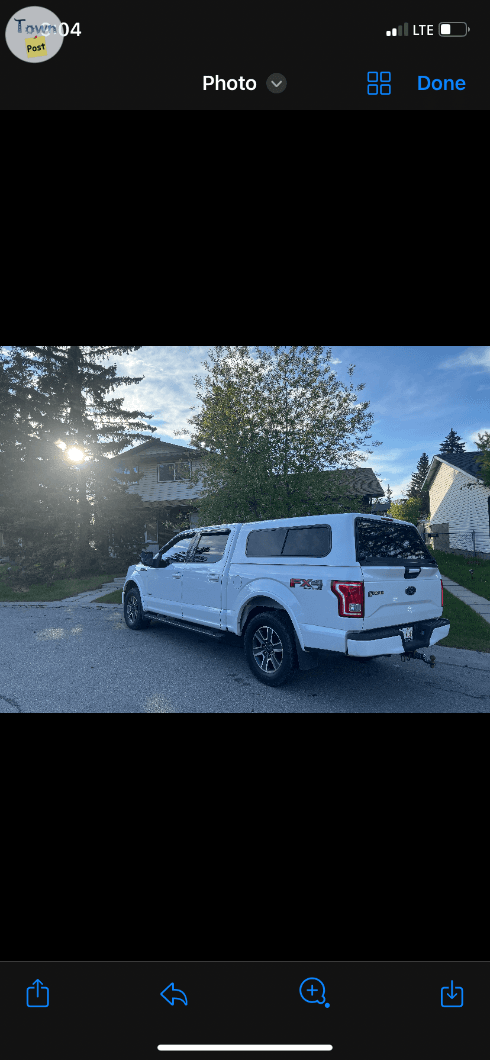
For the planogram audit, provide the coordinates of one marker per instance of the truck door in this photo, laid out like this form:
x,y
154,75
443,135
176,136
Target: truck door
x,y
203,577
163,584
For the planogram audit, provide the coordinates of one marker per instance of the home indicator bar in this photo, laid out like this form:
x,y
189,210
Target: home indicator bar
x,y
245,1048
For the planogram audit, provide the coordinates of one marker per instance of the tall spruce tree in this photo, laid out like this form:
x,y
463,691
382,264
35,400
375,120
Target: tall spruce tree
x,y
415,490
88,495
271,427
452,443
388,494
483,460
30,511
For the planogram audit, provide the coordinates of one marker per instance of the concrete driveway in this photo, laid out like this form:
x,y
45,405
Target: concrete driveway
x,y
82,659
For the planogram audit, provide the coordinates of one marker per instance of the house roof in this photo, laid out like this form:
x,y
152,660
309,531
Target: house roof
x,y
359,480
153,447
462,461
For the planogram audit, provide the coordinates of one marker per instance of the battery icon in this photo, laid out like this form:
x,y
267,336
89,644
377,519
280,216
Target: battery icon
x,y
453,29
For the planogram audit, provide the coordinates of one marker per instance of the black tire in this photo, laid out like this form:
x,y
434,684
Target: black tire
x,y
133,610
270,649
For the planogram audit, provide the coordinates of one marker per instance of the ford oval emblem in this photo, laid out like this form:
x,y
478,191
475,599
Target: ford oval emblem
x,y
411,590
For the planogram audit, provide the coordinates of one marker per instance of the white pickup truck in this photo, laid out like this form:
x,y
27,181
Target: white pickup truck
x,y
362,585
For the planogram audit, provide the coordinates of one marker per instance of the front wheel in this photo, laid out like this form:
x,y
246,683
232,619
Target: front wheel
x,y
270,649
133,610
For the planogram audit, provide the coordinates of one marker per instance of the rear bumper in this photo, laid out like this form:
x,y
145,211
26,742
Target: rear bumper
x,y
389,640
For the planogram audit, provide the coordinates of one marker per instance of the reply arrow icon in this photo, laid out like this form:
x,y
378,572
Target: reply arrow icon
x,y
175,995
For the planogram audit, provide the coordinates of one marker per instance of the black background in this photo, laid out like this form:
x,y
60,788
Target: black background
x,y
380,1010
154,56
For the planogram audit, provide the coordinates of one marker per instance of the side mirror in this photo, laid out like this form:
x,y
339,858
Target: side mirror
x,y
147,558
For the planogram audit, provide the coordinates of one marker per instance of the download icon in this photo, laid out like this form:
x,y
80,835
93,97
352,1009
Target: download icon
x,y
452,997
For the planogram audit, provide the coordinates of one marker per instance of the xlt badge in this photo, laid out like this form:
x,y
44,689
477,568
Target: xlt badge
x,y
376,592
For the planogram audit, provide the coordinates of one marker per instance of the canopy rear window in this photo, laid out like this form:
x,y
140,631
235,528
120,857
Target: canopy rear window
x,y
385,544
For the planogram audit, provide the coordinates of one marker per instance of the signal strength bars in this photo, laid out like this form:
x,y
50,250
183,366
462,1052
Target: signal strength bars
x,y
398,32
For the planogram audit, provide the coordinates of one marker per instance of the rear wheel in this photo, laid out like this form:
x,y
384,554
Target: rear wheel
x,y
270,649
133,610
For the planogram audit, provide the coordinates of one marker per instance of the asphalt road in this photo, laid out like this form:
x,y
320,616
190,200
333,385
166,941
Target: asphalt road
x,y
83,659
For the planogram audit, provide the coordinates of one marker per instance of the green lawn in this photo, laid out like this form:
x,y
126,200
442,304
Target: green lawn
x,y
458,568
468,629
58,590
111,598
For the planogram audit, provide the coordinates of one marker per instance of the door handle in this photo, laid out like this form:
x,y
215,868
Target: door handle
x,y
176,575
213,577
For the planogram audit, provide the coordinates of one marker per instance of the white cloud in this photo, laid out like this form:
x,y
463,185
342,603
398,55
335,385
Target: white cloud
x,y
474,357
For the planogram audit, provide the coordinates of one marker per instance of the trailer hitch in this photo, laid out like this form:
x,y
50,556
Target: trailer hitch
x,y
419,655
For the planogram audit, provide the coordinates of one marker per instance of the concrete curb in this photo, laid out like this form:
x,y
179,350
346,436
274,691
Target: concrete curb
x,y
56,603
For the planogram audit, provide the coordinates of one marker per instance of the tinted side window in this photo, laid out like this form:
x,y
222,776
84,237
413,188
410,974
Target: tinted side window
x,y
210,547
308,541
293,541
265,542
177,539
177,552
169,545
390,544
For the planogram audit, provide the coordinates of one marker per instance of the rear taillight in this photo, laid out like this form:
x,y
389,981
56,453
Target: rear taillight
x,y
350,596
442,595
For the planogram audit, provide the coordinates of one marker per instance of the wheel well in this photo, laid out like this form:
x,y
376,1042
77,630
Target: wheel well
x,y
131,585
256,606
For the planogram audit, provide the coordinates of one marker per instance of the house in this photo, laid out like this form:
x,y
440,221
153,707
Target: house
x,y
166,468
459,504
167,465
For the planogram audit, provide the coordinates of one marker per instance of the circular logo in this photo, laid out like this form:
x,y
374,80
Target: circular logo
x,y
411,590
33,34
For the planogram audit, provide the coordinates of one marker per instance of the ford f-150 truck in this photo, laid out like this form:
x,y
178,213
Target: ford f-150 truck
x,y
362,585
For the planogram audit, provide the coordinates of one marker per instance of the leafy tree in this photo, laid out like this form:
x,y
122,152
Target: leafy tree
x,y
70,511
408,510
452,443
270,430
415,490
483,460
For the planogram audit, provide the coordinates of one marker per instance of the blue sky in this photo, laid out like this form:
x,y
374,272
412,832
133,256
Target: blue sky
x,y
416,395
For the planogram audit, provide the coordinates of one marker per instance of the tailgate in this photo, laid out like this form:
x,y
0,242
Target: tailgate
x,y
400,595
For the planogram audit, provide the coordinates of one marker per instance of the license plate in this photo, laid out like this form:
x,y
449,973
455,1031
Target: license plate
x,y
408,632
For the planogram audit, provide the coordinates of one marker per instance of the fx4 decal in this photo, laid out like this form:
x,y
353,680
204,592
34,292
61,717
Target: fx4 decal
x,y
306,583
